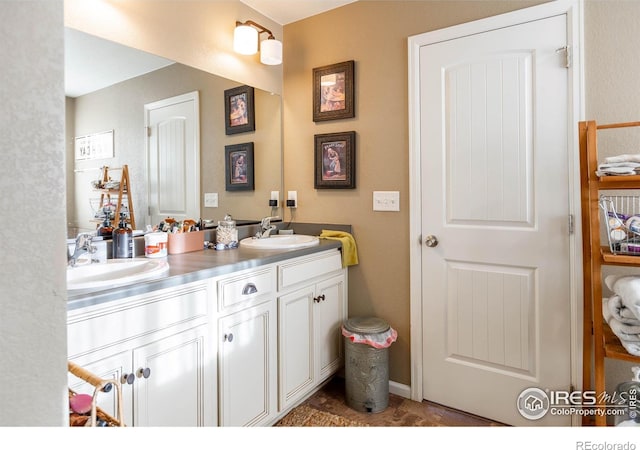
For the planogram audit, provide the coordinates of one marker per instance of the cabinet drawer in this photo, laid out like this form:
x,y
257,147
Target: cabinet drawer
x,y
134,317
305,269
235,291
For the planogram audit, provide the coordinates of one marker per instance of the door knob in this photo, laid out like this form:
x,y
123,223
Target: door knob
x,y
431,241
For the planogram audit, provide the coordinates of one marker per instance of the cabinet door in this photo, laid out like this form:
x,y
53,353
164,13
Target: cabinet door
x,y
171,381
296,355
107,366
248,366
328,316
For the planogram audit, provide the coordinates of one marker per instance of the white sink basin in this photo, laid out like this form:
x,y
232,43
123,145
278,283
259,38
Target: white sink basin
x,y
281,242
114,272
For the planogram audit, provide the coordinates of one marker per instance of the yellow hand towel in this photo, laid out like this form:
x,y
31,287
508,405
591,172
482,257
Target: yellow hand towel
x,y
349,249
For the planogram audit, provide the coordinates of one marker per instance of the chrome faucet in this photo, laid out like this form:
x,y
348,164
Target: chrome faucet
x,y
82,246
266,228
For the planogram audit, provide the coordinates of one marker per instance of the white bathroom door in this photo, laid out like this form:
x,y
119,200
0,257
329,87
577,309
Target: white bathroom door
x,y
173,155
495,194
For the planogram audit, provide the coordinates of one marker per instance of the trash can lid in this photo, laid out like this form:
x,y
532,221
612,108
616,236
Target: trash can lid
x,y
366,325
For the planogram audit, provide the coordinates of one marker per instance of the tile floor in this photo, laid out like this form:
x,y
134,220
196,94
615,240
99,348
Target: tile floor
x,y
401,412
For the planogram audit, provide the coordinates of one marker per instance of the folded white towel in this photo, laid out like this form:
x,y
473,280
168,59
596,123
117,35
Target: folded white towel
x,y
628,288
616,171
625,332
623,158
620,312
633,347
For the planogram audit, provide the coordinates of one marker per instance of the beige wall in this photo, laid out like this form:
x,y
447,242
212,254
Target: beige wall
x,y
374,34
612,65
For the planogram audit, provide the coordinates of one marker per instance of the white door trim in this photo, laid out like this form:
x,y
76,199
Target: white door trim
x,y
574,11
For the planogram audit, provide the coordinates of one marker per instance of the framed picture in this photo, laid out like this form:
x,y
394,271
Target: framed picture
x,y
94,146
333,92
239,110
239,167
335,160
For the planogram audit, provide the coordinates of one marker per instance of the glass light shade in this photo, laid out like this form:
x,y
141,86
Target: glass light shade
x,y
245,40
271,52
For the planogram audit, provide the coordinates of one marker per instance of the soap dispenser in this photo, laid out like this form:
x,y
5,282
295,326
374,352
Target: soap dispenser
x,y
123,239
106,229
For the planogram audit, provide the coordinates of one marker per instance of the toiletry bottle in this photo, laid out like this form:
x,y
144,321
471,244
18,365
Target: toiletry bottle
x,y
123,239
106,229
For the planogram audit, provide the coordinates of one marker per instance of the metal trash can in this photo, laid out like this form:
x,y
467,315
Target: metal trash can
x,y
367,341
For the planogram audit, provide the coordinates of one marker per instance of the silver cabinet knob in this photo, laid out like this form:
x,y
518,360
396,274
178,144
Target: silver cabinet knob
x,y
143,372
128,378
431,241
228,337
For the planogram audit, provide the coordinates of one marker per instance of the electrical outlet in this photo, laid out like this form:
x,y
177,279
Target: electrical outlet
x,y
386,201
275,198
292,199
211,200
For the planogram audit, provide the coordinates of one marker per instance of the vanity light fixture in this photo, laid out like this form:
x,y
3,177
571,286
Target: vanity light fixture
x,y
245,41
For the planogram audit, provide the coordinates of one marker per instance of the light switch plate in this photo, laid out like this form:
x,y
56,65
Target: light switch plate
x,y
386,201
211,200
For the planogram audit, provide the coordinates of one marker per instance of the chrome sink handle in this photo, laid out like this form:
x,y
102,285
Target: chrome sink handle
x,y
83,245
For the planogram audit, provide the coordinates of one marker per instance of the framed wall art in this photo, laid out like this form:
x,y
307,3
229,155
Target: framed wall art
x,y
239,110
333,92
94,146
335,160
239,167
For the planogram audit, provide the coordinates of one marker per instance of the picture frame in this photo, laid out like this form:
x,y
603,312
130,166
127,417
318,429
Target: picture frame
x,y
239,167
335,160
239,109
333,91
94,146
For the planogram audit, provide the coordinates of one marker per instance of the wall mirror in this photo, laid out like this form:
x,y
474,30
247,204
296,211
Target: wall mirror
x,y
119,108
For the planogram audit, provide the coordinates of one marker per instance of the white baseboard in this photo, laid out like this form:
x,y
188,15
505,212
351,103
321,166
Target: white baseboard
x,y
399,389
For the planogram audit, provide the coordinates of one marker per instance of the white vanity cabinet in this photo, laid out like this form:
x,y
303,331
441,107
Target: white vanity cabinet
x,y
238,349
312,305
247,346
158,345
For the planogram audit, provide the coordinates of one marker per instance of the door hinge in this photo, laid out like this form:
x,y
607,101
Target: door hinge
x,y
571,223
148,131
568,55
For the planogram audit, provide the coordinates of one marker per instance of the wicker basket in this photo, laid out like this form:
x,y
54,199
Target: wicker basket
x,y
97,414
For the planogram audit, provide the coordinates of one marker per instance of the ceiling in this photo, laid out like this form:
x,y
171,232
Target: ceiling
x,y
288,11
118,63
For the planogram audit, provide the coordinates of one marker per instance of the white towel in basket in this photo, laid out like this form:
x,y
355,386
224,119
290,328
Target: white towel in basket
x,y
628,288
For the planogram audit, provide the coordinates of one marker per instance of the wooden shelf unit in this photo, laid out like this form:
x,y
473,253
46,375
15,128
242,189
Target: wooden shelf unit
x,y
123,191
599,341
